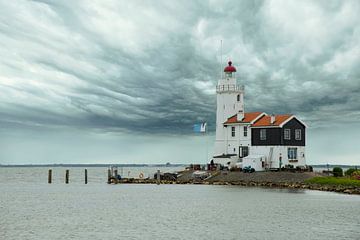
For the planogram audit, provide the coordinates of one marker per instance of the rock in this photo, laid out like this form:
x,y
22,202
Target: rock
x,y
348,191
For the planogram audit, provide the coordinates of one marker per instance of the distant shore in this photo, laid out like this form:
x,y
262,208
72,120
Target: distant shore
x,y
330,166
106,165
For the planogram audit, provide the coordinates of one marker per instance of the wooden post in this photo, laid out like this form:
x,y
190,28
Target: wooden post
x,y
109,175
67,176
86,179
50,176
115,173
158,177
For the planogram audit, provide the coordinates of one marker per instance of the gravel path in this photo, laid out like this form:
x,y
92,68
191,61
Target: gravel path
x,y
259,177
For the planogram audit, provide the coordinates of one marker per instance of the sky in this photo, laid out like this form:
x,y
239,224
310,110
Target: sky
x,y
124,81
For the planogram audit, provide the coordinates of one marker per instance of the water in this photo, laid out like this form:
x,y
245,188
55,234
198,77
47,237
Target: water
x,y
32,209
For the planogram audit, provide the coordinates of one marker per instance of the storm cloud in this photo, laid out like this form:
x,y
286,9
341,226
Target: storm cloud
x,y
98,75
153,65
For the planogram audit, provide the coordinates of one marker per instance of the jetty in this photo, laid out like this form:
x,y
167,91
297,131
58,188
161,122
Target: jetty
x,y
280,179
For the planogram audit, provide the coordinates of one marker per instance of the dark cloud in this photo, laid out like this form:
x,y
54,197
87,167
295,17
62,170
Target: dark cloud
x,y
152,66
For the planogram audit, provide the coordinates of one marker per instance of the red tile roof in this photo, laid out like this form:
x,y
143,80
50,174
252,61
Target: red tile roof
x,y
265,120
248,117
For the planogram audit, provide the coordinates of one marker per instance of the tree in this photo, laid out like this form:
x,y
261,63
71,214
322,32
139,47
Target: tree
x,y
338,172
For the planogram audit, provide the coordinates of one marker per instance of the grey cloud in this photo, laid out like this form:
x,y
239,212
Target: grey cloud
x,y
137,66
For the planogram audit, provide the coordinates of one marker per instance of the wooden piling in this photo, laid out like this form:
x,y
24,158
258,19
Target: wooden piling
x,y
67,176
109,175
158,177
86,178
50,176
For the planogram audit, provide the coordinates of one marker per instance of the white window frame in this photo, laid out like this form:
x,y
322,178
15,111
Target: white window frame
x,y
287,134
245,131
233,131
262,134
292,153
297,134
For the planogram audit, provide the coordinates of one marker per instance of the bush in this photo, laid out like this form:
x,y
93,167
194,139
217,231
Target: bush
x,y
338,172
356,175
350,171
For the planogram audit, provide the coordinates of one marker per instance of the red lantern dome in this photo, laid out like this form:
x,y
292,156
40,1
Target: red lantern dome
x,y
229,68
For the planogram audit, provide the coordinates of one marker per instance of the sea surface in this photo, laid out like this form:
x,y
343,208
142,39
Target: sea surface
x,y
30,208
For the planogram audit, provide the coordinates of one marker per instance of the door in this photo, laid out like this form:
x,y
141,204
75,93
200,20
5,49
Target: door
x,y
243,151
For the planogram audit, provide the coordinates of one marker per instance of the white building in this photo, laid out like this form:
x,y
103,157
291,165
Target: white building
x,y
254,138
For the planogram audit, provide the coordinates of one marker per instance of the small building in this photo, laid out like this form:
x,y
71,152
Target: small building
x,y
257,139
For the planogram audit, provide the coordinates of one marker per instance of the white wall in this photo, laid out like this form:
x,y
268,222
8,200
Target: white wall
x,y
227,106
238,139
265,150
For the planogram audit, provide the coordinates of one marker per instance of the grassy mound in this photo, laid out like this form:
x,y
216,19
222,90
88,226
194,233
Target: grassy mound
x,y
343,181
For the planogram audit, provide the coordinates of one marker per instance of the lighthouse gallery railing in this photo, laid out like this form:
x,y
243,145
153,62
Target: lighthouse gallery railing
x,y
229,88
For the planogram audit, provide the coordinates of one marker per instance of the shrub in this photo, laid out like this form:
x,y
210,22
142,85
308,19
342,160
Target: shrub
x,y
338,172
350,171
356,175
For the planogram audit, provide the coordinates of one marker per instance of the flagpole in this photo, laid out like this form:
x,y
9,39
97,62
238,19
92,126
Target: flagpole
x,y
201,128
204,135
207,150
206,144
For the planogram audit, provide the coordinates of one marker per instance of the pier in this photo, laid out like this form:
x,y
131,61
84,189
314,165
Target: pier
x,y
289,180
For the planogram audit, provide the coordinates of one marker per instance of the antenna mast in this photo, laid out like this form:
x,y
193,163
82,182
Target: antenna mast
x,y
221,63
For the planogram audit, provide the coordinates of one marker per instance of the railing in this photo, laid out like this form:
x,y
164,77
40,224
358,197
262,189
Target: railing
x,y
229,88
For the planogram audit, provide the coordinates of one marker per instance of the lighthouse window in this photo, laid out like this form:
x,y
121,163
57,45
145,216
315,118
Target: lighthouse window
x,y
262,134
287,134
245,131
297,134
233,131
238,97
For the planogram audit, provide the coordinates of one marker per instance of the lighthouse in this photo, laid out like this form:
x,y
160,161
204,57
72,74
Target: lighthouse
x,y
230,102
254,139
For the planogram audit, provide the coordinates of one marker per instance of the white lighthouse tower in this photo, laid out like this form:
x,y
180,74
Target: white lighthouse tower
x,y
230,101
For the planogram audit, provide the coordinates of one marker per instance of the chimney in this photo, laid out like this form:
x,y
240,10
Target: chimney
x,y
240,116
272,118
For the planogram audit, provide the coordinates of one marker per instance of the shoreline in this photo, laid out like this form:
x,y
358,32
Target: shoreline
x,y
279,180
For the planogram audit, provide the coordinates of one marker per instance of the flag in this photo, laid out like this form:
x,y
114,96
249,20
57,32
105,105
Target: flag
x,y
200,127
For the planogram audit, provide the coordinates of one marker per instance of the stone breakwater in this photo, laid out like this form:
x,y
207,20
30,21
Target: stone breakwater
x,y
259,179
